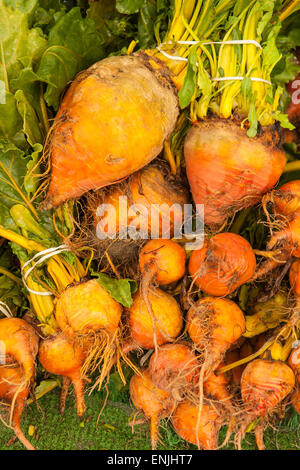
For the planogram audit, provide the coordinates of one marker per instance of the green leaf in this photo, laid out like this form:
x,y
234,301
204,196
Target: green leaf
x,y
31,125
20,48
120,290
10,120
74,44
44,387
28,82
268,7
101,12
13,167
115,30
18,41
246,88
146,22
47,13
271,54
25,221
252,118
31,179
189,85
13,171
221,72
10,290
129,6
26,6
285,70
284,120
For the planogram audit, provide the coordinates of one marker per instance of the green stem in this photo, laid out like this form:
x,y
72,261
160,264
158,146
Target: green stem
x,y
239,221
14,278
23,219
44,110
4,68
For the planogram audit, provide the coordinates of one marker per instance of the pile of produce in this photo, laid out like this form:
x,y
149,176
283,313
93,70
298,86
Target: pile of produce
x,y
121,125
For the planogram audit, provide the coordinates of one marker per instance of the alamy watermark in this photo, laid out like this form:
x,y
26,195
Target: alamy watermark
x,y
137,221
2,353
296,94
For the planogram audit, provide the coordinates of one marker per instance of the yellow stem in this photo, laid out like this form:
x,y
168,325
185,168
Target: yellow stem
x,y
19,191
170,157
292,166
295,5
224,369
49,388
286,349
112,265
29,245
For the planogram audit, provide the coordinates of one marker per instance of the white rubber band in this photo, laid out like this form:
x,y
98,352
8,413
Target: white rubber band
x,y
217,79
5,310
173,57
190,43
230,42
43,256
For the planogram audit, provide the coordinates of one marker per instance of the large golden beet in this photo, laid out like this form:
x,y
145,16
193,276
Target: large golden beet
x,y
112,121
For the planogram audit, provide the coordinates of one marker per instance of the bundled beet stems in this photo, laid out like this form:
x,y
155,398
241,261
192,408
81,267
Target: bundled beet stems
x,y
109,151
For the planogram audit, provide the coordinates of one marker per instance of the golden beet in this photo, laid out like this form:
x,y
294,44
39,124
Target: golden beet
x,y
154,189
225,262
165,325
164,259
295,399
156,404
112,121
87,307
264,384
214,325
294,362
217,388
287,239
227,170
286,199
87,314
20,342
20,346
174,368
60,355
202,432
294,276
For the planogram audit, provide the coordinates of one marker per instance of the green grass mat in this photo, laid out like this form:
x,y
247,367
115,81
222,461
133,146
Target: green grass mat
x,y
54,432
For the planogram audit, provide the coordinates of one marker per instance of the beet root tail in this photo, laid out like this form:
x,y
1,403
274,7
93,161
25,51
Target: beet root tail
x,y
16,421
79,394
66,382
154,431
